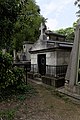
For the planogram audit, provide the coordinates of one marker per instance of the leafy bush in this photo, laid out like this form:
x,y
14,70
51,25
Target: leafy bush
x,y
10,77
5,70
18,76
7,114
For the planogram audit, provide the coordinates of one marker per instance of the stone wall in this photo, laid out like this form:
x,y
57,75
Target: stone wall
x,y
34,65
50,58
63,57
54,58
33,58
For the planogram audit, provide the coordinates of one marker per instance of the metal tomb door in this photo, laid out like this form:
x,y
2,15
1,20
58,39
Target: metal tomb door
x,y
42,64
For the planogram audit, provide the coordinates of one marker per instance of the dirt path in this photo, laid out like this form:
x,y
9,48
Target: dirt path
x,y
45,105
49,106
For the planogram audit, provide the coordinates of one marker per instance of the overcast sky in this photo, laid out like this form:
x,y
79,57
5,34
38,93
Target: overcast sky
x,y
60,13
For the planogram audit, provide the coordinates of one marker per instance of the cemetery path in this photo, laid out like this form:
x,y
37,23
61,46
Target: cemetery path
x,y
45,105
50,105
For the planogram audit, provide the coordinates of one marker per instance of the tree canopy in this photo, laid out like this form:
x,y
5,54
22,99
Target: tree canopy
x,y
27,25
19,21
68,32
8,15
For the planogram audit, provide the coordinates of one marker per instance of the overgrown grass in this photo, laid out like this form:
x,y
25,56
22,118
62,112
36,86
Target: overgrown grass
x,y
25,92
21,93
29,92
7,114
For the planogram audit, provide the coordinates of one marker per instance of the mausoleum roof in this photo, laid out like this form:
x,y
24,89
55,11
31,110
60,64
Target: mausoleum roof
x,y
55,41
48,32
50,45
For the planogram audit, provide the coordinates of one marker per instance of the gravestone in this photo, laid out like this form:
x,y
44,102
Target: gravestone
x,y
72,75
14,55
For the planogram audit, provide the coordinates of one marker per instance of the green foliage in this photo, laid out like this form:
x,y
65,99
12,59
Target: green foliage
x,y
7,115
27,25
19,21
8,15
25,91
21,97
75,23
11,78
10,113
68,32
18,76
5,70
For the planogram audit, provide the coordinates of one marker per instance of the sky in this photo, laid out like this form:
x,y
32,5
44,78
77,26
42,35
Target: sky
x,y
60,13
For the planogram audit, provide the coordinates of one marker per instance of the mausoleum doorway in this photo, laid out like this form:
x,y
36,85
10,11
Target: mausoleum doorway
x,y
41,63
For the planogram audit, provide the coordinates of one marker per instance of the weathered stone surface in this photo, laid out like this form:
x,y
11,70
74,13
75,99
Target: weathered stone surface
x,y
72,76
56,52
56,82
72,70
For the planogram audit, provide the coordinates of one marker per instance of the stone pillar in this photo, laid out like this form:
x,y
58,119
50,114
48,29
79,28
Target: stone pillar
x,y
14,54
72,71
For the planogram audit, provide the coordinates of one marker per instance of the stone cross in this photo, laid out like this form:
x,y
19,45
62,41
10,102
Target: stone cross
x,y
41,28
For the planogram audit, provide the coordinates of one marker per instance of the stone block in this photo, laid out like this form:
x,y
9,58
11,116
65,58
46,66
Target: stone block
x,y
56,82
30,75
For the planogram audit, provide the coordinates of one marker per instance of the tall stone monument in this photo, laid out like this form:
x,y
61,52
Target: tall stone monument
x,y
72,76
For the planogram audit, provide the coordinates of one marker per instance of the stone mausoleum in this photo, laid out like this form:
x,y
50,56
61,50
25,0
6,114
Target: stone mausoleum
x,y
50,53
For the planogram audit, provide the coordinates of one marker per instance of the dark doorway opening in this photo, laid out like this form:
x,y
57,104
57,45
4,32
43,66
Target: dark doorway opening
x,y
42,64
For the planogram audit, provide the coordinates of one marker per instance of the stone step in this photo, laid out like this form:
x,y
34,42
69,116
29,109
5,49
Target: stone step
x,y
35,81
38,79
